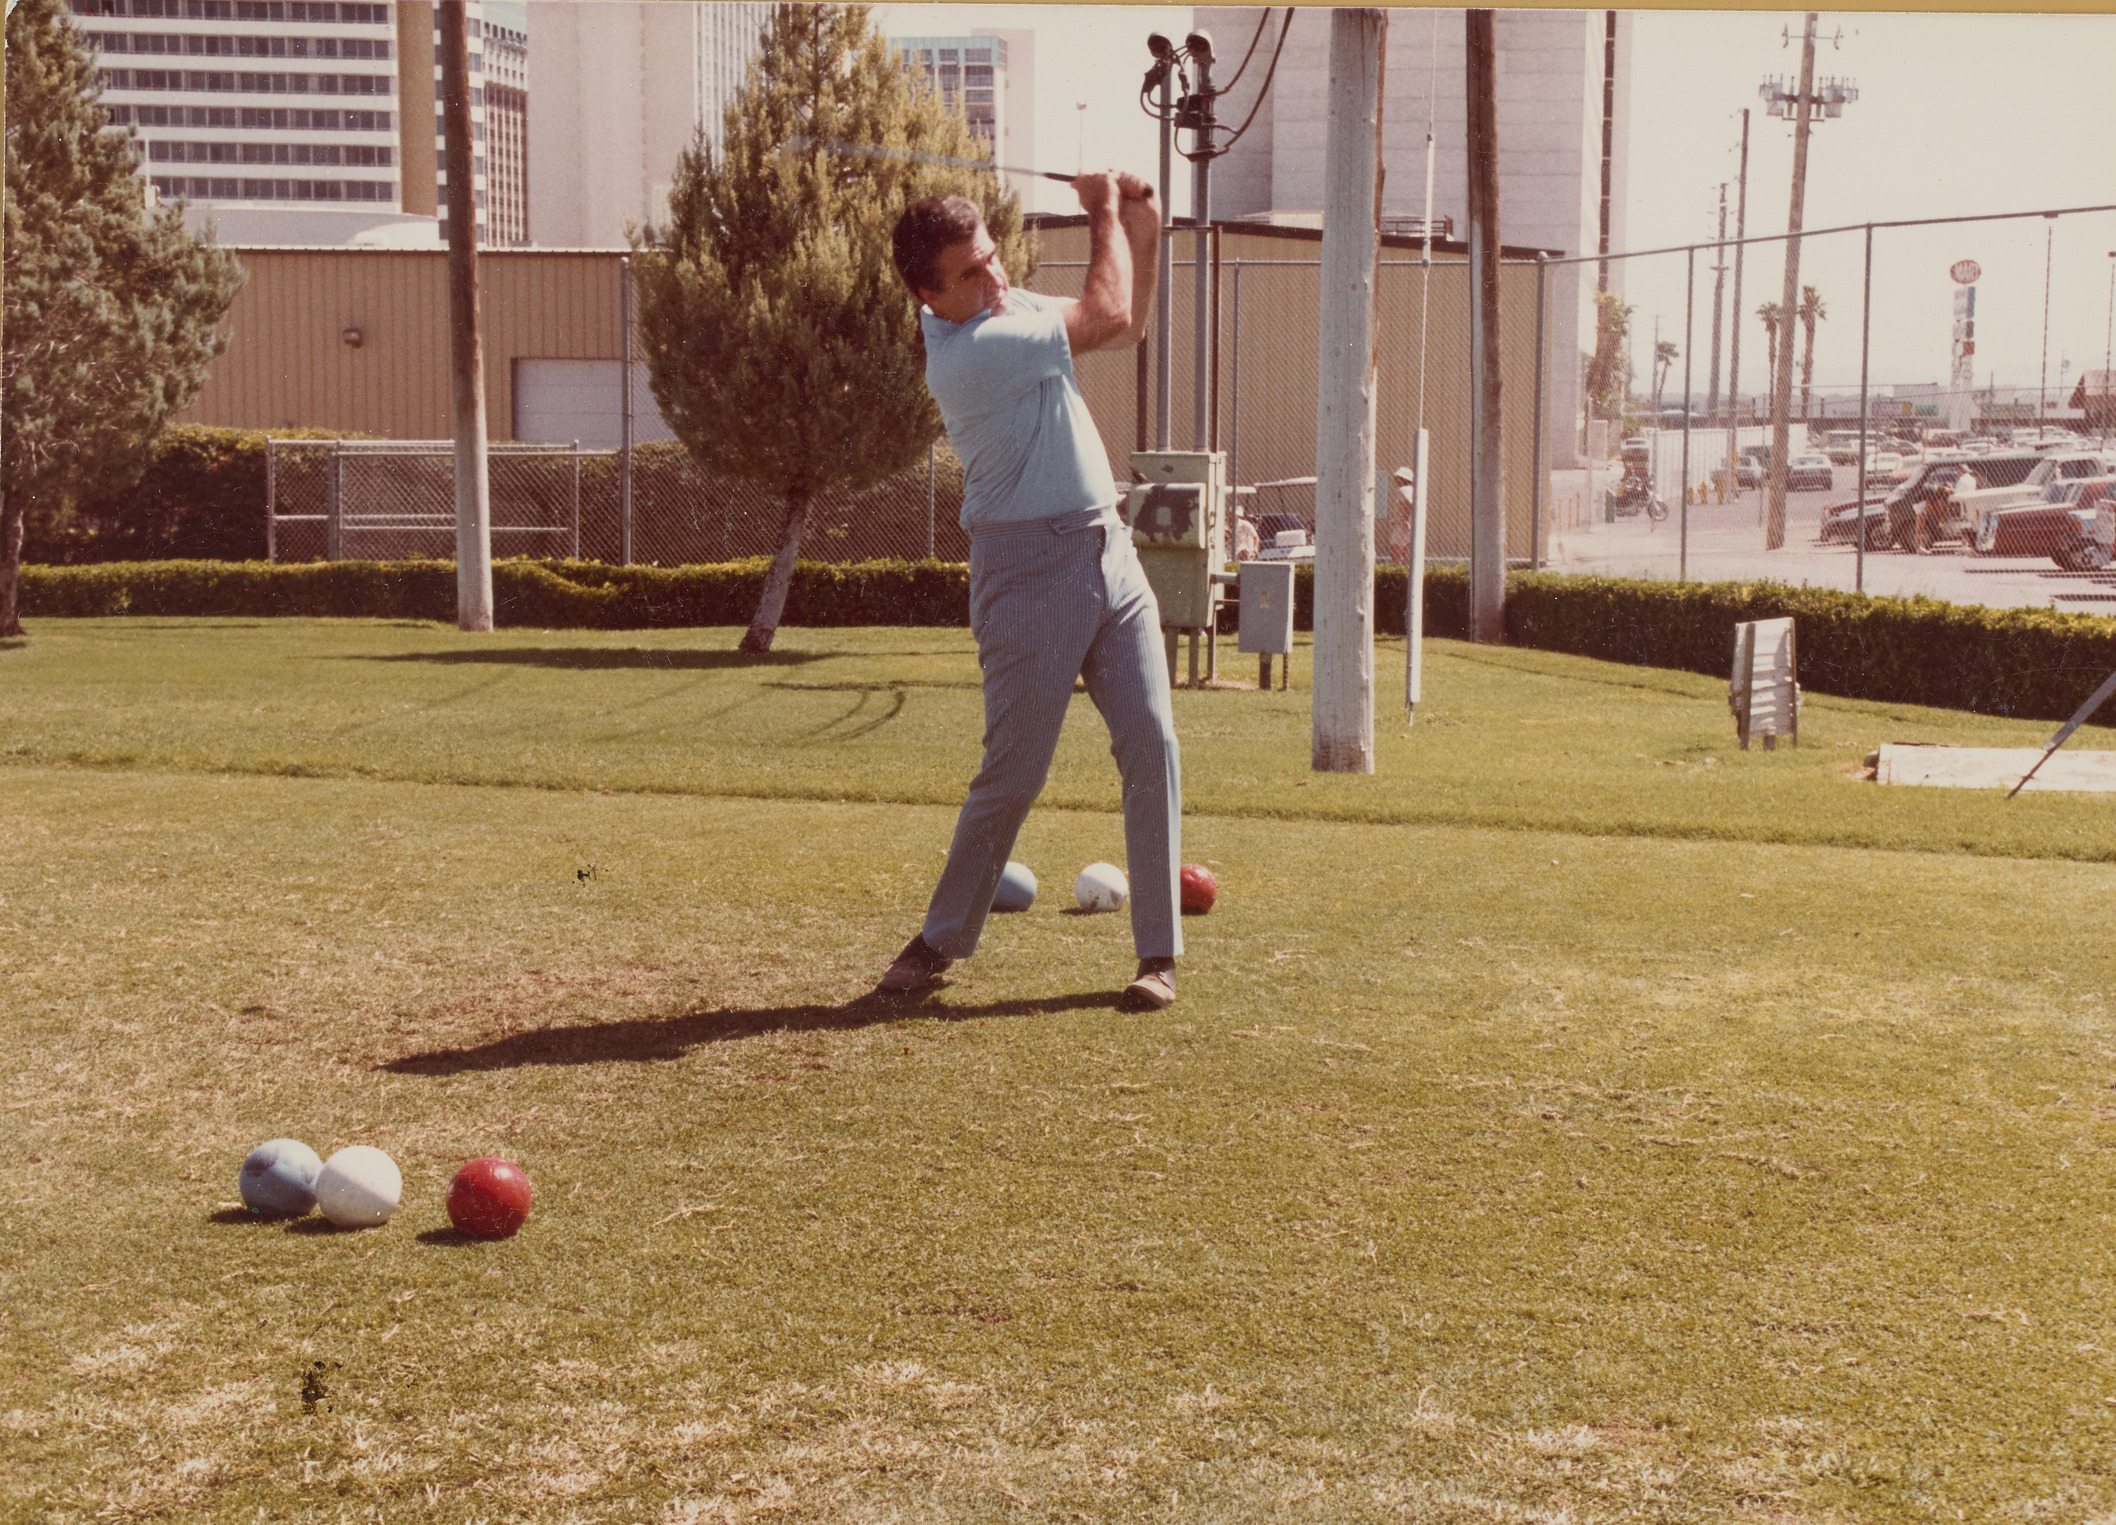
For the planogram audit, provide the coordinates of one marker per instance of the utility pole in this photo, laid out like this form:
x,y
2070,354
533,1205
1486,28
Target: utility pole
x,y
2042,383
1342,716
1719,280
1800,107
2108,352
467,347
1487,496
1601,275
1741,225
1163,75
1197,47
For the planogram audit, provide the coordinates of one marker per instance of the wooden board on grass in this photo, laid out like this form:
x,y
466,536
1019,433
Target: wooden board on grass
x,y
1995,768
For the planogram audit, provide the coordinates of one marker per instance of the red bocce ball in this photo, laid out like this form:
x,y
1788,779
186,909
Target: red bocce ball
x,y
489,1198
1200,889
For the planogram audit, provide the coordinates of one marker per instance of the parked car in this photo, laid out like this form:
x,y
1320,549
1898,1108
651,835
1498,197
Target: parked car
x,y
1808,472
2058,527
1840,521
2028,489
1933,484
1752,465
1884,465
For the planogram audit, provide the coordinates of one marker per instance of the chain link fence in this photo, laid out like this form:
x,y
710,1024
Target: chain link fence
x,y
1258,399
1664,476
1951,423
387,500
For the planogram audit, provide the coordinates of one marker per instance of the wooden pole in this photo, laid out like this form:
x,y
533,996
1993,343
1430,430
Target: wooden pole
x,y
1342,716
1487,497
466,331
1789,301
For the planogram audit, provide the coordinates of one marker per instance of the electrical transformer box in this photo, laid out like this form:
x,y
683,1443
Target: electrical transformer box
x,y
1178,519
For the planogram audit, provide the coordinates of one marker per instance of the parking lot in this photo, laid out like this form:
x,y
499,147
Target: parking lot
x,y
1725,543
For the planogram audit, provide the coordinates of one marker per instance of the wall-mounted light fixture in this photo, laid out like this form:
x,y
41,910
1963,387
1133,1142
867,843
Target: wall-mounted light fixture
x,y
353,337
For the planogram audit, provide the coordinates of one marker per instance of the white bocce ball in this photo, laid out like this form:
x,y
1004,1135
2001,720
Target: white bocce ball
x,y
1101,887
360,1187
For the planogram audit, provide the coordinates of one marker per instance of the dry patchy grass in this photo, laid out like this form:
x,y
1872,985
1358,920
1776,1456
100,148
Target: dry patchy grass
x,y
1478,1175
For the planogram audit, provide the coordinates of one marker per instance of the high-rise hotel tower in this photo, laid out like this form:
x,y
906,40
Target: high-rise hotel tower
x,y
274,117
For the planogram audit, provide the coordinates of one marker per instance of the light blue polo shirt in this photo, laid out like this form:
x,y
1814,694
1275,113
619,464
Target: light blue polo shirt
x,y
1005,385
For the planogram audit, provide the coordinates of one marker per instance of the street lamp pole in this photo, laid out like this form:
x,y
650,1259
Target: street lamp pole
x,y
2108,352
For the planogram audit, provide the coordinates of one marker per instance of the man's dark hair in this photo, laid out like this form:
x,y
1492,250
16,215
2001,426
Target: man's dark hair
x,y
926,228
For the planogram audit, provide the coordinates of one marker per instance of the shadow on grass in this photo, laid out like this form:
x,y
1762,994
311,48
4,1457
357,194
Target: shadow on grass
x,y
449,1236
317,1226
639,1039
594,659
244,1215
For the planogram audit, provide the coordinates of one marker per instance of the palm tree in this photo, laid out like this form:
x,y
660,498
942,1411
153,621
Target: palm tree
x,y
1665,354
1812,311
1770,314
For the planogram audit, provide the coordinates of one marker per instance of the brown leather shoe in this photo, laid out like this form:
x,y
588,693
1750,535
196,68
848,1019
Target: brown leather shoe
x,y
1154,987
918,967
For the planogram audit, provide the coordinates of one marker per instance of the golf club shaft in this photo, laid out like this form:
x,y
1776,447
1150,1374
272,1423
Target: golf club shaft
x,y
914,156
2064,733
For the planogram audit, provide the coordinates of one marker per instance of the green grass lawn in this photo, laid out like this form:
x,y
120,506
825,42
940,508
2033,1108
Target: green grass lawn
x,y
1579,1120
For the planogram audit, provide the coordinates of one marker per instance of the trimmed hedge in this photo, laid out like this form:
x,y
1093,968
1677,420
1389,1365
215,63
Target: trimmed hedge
x,y
538,594
2027,663
2032,664
202,498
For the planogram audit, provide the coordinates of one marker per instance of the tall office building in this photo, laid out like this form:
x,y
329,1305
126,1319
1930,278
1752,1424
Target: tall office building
x,y
990,77
621,87
275,120
425,169
506,54
1553,68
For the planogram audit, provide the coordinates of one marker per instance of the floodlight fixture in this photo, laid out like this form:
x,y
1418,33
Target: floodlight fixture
x,y
1199,46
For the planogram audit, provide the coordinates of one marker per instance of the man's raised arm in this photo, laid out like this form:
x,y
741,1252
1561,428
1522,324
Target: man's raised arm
x,y
1140,214
1104,310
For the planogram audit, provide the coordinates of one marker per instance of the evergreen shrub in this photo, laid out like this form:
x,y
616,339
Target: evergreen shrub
x,y
202,498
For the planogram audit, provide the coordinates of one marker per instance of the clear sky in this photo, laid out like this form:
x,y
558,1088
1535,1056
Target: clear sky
x,y
1957,114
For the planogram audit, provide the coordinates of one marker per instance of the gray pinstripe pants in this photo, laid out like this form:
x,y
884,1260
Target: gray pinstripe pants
x,y
1052,600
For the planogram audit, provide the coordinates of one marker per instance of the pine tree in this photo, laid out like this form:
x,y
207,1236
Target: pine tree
x,y
780,343
111,315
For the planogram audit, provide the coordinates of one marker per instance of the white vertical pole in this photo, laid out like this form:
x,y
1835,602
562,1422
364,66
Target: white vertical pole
x,y
624,413
1414,585
1343,715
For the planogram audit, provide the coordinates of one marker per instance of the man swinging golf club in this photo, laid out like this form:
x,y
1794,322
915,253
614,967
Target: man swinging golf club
x,y
1056,591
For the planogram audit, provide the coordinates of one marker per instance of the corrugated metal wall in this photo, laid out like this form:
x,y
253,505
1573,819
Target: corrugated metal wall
x,y
287,363
1279,313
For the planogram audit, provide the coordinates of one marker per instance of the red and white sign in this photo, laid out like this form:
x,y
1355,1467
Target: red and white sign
x,y
1965,271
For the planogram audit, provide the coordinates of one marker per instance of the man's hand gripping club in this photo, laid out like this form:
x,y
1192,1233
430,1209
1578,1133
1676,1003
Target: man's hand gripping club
x,y
1124,231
